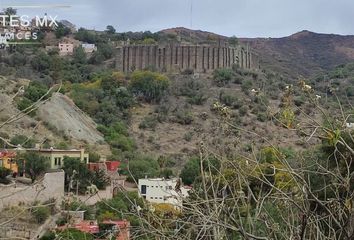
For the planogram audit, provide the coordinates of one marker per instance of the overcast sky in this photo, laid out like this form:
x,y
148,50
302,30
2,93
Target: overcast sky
x,y
243,18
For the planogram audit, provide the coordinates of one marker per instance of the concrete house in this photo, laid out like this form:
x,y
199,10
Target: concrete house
x,y
56,156
66,49
160,190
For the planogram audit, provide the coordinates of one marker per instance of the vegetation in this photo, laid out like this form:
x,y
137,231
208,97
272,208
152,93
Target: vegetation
x,y
33,164
223,76
149,86
79,177
41,213
4,172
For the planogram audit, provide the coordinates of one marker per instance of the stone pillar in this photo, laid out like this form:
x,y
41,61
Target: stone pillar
x,y
185,57
119,59
192,58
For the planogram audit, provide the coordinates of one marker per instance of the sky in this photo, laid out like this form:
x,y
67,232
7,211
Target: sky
x,y
241,18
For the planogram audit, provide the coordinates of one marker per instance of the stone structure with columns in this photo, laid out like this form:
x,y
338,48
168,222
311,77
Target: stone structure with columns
x,y
178,57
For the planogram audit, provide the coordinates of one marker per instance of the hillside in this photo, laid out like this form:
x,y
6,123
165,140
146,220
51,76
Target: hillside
x,y
56,121
304,53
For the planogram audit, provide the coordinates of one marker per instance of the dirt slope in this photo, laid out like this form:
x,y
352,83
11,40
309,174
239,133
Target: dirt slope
x,y
62,113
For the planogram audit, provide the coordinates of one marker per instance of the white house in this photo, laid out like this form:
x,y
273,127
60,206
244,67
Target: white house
x,y
89,48
160,190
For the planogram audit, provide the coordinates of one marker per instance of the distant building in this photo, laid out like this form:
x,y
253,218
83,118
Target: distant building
x,y
66,49
121,229
109,166
56,156
7,160
159,190
89,48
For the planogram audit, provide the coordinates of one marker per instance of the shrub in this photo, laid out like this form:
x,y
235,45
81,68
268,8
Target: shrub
x,y
197,99
23,141
262,117
243,110
149,122
223,76
184,117
41,213
246,86
229,100
150,86
188,136
4,172
140,167
35,91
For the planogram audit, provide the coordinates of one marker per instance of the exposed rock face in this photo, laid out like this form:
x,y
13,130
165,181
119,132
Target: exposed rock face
x,y
61,112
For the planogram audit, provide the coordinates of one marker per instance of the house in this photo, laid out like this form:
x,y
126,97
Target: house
x,y
7,160
90,226
66,49
89,48
56,156
110,166
121,229
160,190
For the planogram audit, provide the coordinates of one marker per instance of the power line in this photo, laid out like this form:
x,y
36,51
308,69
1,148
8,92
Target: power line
x,y
191,16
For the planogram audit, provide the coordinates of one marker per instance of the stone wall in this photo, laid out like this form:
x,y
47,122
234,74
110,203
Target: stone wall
x,y
177,58
51,186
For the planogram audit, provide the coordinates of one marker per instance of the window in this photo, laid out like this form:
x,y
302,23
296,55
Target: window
x,y
57,161
143,189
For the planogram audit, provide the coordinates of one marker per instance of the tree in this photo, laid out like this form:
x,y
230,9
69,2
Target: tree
x,y
110,29
23,141
233,41
79,56
190,171
33,164
62,31
10,11
149,85
76,172
140,167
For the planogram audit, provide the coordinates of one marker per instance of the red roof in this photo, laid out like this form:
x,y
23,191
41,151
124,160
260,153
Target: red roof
x,y
87,227
7,154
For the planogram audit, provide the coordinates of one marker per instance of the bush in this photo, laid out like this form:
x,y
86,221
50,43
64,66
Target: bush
x,y
188,136
149,122
23,141
246,86
4,172
190,171
243,110
41,214
140,167
229,100
262,117
35,91
223,76
184,117
150,86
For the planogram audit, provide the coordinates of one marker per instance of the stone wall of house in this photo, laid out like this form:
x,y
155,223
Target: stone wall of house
x,y
51,186
177,58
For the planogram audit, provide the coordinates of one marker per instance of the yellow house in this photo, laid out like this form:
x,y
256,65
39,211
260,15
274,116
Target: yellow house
x,y
7,160
56,156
